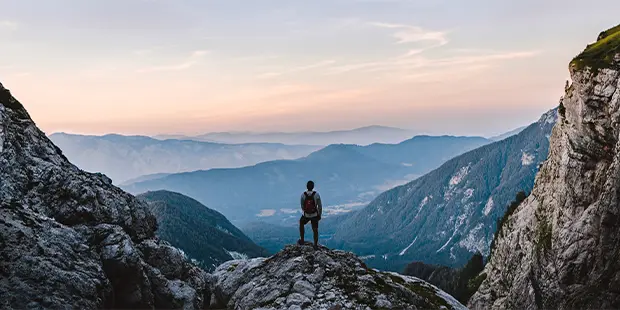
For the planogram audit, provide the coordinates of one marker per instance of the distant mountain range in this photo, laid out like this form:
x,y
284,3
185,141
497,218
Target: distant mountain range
x,y
507,134
361,136
347,176
205,235
450,213
123,158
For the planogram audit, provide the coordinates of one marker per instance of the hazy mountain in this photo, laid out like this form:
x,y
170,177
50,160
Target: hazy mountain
x,y
347,176
422,152
204,234
507,134
361,136
450,213
126,157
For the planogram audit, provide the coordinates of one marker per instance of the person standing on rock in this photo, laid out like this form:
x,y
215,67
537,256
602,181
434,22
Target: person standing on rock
x,y
312,209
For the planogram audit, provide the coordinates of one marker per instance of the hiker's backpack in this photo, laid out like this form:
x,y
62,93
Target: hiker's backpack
x,y
309,203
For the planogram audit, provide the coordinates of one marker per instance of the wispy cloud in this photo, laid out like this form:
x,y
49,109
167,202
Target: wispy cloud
x,y
257,57
266,213
420,62
143,52
191,61
273,74
8,25
411,34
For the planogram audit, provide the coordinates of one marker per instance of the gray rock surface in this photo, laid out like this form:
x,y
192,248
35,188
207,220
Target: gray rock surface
x,y
300,277
71,240
560,249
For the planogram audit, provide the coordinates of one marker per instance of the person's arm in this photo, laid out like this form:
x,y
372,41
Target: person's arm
x,y
319,204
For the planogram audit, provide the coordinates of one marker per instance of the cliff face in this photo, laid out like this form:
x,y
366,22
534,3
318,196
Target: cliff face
x,y
70,239
561,248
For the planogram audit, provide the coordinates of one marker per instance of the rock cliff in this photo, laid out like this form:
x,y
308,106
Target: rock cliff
x,y
299,277
71,240
560,249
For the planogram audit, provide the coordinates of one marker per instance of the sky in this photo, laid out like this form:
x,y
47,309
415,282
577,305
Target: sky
x,y
476,67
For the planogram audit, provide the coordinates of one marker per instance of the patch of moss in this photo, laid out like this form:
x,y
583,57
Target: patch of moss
x,y
429,294
543,238
382,286
608,32
232,267
562,110
599,54
396,279
474,284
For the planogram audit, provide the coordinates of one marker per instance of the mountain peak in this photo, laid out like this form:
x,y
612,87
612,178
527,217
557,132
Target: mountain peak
x,y
335,151
300,277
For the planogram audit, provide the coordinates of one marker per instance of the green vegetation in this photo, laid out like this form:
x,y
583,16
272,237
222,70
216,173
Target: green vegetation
x,y
608,32
543,240
470,272
457,283
600,54
429,294
474,284
232,267
562,109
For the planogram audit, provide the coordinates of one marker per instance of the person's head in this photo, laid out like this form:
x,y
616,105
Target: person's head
x,y
310,185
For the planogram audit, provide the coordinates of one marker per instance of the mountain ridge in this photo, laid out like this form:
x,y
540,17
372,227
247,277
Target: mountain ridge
x,y
124,158
347,174
204,234
450,213
361,135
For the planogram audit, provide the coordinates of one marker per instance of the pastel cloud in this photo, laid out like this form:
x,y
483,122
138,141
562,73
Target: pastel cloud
x,y
411,34
189,62
268,75
8,25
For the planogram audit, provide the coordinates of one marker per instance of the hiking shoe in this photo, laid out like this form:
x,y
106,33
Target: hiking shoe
x,y
300,242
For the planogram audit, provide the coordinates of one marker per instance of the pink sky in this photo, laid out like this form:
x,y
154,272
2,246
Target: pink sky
x,y
166,68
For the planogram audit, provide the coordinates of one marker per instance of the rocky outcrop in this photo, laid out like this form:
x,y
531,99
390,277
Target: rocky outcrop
x,y
301,278
70,239
560,249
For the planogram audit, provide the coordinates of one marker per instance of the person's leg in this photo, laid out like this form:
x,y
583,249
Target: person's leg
x,y
302,222
315,231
